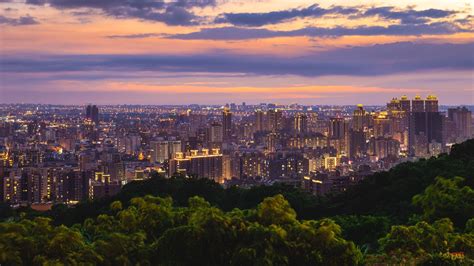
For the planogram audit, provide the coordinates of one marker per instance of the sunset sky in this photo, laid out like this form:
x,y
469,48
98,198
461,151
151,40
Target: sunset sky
x,y
215,52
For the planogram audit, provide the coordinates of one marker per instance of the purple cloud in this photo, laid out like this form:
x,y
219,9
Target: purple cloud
x,y
171,13
381,59
237,33
21,21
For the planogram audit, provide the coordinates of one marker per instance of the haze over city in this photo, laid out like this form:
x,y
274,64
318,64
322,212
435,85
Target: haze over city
x,y
215,52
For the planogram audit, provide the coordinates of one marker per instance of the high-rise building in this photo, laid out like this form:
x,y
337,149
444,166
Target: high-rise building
x,y
337,129
405,104
248,131
288,166
259,121
274,120
425,125
431,104
92,113
301,123
359,118
331,162
199,164
271,141
164,150
385,147
358,145
382,125
216,133
339,135
132,144
226,167
394,105
160,151
418,104
227,124
72,187
405,108
312,121
462,120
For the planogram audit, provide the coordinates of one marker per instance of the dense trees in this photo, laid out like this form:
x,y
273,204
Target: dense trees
x,y
430,244
152,231
447,198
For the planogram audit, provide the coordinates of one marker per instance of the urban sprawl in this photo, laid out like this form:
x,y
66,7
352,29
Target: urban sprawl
x,y
64,154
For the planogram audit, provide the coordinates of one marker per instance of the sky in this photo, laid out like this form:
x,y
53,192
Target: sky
x,y
223,51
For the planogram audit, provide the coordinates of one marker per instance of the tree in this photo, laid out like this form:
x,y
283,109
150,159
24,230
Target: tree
x,y
447,198
275,210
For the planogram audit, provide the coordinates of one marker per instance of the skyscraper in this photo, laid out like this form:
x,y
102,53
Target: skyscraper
x,y
405,104
382,125
274,120
431,104
359,118
425,125
203,164
301,123
418,104
405,108
462,119
227,124
358,145
339,135
394,105
259,121
337,129
92,113
215,135
164,150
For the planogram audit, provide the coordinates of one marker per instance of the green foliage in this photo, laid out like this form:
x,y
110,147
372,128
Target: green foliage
x,y
364,230
447,198
276,210
446,259
36,242
424,238
425,244
151,231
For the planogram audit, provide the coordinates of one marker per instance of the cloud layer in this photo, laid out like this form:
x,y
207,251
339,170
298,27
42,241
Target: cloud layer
x,y
356,61
172,13
21,21
404,16
238,33
260,19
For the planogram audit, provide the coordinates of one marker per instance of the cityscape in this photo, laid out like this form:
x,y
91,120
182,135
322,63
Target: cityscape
x,y
67,154
236,132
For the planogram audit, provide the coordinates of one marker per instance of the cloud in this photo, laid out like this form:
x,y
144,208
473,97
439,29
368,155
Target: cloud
x,y
409,16
171,13
274,17
405,16
134,36
355,61
21,21
238,33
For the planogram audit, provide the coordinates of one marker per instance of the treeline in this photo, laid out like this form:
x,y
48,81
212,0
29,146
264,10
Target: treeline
x,y
153,231
416,213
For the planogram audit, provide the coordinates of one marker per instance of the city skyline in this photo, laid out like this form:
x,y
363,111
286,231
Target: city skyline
x,y
55,153
216,52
